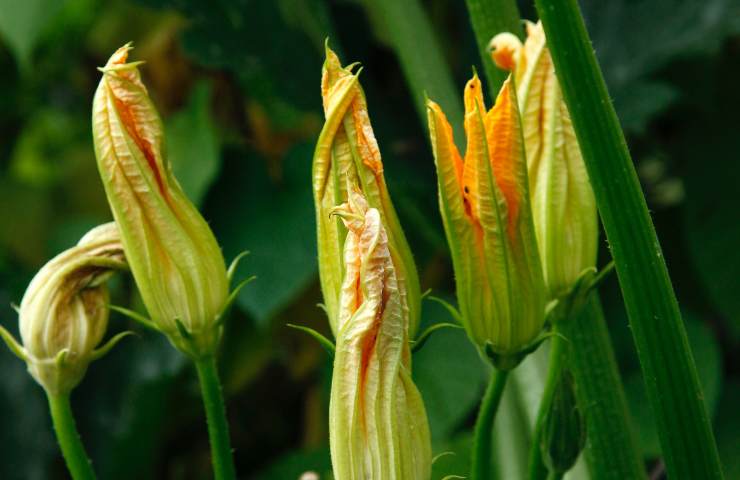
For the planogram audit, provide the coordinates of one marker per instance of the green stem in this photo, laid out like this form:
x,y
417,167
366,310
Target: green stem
x,y
481,468
671,380
69,440
537,468
553,475
611,449
489,18
218,428
421,58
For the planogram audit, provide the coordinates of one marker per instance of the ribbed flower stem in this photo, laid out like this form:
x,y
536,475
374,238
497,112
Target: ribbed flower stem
x,y
537,469
69,440
611,450
218,428
481,468
671,379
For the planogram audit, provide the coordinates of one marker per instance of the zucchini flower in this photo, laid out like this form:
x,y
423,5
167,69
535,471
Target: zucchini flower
x,y
377,423
347,151
64,313
485,206
563,202
175,260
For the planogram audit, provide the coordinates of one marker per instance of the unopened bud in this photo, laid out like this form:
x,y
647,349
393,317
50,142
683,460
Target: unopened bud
x,y
64,313
485,206
174,257
563,201
564,433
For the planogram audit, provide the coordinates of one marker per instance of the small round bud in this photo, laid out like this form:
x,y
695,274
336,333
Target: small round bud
x,y
505,48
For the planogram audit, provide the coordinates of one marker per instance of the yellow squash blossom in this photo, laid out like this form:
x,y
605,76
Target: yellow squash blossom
x,y
484,201
378,425
64,313
174,257
347,151
563,201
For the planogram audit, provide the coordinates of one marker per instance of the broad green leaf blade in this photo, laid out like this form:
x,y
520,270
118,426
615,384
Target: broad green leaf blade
x,y
449,374
273,219
192,144
21,24
420,56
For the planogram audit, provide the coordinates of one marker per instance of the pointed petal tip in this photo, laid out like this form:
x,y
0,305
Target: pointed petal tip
x,y
119,60
120,56
331,59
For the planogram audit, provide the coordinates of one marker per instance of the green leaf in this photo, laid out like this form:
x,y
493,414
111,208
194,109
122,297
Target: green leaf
x,y
25,410
22,22
418,50
727,424
240,37
45,152
453,457
274,220
128,396
449,373
631,49
712,231
292,465
193,146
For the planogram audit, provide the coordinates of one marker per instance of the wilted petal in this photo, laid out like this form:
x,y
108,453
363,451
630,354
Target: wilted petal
x,y
378,426
347,150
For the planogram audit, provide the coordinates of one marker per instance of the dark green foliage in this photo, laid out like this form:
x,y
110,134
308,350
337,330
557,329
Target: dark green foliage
x,y
237,84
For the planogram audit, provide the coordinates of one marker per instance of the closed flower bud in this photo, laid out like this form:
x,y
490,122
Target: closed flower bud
x,y
485,206
564,432
377,423
563,202
174,257
64,313
347,150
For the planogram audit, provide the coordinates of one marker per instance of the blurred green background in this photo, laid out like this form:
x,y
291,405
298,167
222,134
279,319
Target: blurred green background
x,y
237,83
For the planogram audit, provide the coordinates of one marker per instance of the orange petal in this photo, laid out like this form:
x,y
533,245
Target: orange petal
x,y
474,106
503,132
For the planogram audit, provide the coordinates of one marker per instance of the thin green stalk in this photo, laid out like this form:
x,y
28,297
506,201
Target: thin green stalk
x,y
611,449
489,18
218,428
553,475
73,451
537,468
481,468
421,58
672,384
